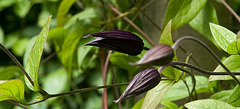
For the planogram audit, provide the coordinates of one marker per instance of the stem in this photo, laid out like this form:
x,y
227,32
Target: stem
x,y
130,22
176,44
17,63
231,10
115,88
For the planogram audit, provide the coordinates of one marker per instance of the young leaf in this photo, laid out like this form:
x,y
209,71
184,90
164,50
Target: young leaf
x,y
63,10
208,104
154,96
201,21
234,99
222,35
234,48
35,55
182,11
232,63
166,38
12,90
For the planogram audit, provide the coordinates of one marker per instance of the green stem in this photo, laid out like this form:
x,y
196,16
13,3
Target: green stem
x,y
176,44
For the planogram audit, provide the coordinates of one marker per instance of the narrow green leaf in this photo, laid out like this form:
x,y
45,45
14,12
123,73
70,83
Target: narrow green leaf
x,y
9,72
138,105
234,99
222,95
63,10
155,95
208,104
222,35
166,38
12,90
182,11
179,89
234,48
232,63
35,55
201,22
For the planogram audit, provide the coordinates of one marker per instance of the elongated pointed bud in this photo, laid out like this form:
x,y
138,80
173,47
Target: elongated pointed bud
x,y
141,82
159,55
117,40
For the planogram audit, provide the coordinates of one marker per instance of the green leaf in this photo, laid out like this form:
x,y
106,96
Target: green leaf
x,y
166,38
12,90
11,39
234,48
201,21
169,105
179,89
1,35
58,35
63,10
138,105
234,98
222,95
20,46
86,14
182,11
69,46
208,104
22,7
82,53
222,35
154,96
35,55
6,3
9,72
232,63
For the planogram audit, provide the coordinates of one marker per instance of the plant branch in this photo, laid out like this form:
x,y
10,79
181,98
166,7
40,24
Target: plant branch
x,y
176,44
231,10
17,63
130,22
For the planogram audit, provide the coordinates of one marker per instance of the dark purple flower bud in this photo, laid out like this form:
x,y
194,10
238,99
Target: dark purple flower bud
x,y
117,40
159,55
141,82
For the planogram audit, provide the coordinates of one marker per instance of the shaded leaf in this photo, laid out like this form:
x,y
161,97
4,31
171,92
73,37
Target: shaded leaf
x,y
6,3
12,90
9,72
1,34
58,35
34,57
201,21
22,7
63,10
169,105
222,35
208,104
234,99
222,95
20,46
155,95
182,11
232,63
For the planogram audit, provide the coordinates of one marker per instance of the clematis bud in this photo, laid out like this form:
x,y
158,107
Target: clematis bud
x,y
141,82
117,40
159,55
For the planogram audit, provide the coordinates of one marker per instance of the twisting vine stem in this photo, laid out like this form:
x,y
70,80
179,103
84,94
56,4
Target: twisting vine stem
x,y
176,44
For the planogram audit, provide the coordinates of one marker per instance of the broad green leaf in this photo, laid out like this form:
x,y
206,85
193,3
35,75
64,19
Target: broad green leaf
x,y
169,105
179,89
35,55
232,63
154,96
22,7
166,38
69,46
9,72
138,105
234,48
85,14
1,35
12,90
222,35
234,98
201,21
208,104
222,95
63,10
82,53
6,3
182,11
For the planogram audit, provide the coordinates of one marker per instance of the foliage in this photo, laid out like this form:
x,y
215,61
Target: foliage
x,y
46,36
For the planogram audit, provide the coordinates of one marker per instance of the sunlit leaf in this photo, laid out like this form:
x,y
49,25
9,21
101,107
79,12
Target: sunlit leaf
x,y
208,104
155,95
138,105
234,99
232,63
169,105
58,35
222,35
34,57
12,90
222,95
6,3
22,7
201,21
166,38
182,11
63,10
20,46
234,48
